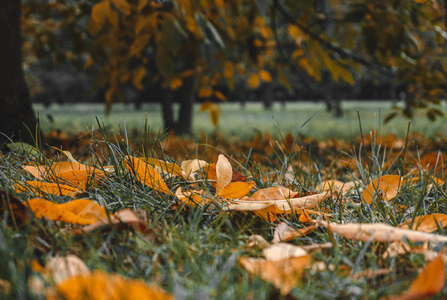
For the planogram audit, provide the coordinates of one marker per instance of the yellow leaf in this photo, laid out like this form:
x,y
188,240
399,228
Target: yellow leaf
x,y
273,193
100,285
80,179
171,168
224,173
220,96
81,212
175,83
236,190
205,106
265,76
228,70
113,17
137,47
189,167
284,232
146,174
122,5
191,198
137,76
385,187
100,11
205,92
253,81
42,188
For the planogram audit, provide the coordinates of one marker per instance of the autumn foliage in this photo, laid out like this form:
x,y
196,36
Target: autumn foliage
x,y
298,215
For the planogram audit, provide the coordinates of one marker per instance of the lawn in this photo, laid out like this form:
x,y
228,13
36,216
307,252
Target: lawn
x,y
245,122
225,218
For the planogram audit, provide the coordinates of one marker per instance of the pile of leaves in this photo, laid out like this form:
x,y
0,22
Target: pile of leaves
x,y
265,218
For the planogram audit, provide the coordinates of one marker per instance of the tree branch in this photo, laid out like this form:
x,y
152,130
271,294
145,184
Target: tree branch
x,y
336,49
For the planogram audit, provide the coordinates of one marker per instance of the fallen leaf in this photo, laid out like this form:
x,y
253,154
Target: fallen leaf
x,y
284,232
336,186
385,188
42,188
191,198
426,223
273,193
283,274
146,174
257,241
282,251
428,283
171,168
379,232
80,211
224,173
80,179
100,285
236,190
189,167
123,219
370,273
434,160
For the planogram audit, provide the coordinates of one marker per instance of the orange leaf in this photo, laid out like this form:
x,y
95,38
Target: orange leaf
x,y
122,5
146,174
253,81
236,189
80,179
224,173
427,223
42,188
100,285
265,76
171,168
283,274
191,198
433,160
120,221
431,280
81,212
385,187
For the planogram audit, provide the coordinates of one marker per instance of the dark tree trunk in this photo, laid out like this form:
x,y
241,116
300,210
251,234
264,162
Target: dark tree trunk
x,y
17,120
186,98
167,109
268,95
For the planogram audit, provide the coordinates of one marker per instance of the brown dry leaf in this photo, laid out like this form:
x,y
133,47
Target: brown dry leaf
x,y
189,167
427,223
281,206
283,251
428,283
146,174
120,221
5,287
17,213
336,186
385,187
236,190
380,232
80,211
224,173
191,198
284,232
257,241
283,274
273,193
100,285
41,188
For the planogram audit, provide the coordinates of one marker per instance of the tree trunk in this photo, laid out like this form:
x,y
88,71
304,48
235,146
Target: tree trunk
x,y
167,109
17,120
186,98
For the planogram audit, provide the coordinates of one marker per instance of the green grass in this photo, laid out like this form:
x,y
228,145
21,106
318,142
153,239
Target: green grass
x,y
244,122
194,252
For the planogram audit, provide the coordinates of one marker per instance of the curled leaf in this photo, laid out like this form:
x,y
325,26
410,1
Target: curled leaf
x,y
224,173
146,174
385,187
41,188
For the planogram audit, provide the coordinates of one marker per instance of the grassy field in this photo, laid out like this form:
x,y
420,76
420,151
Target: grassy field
x,y
244,122
196,235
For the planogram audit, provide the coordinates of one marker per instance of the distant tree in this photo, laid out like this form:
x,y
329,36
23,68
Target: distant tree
x,y
17,120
